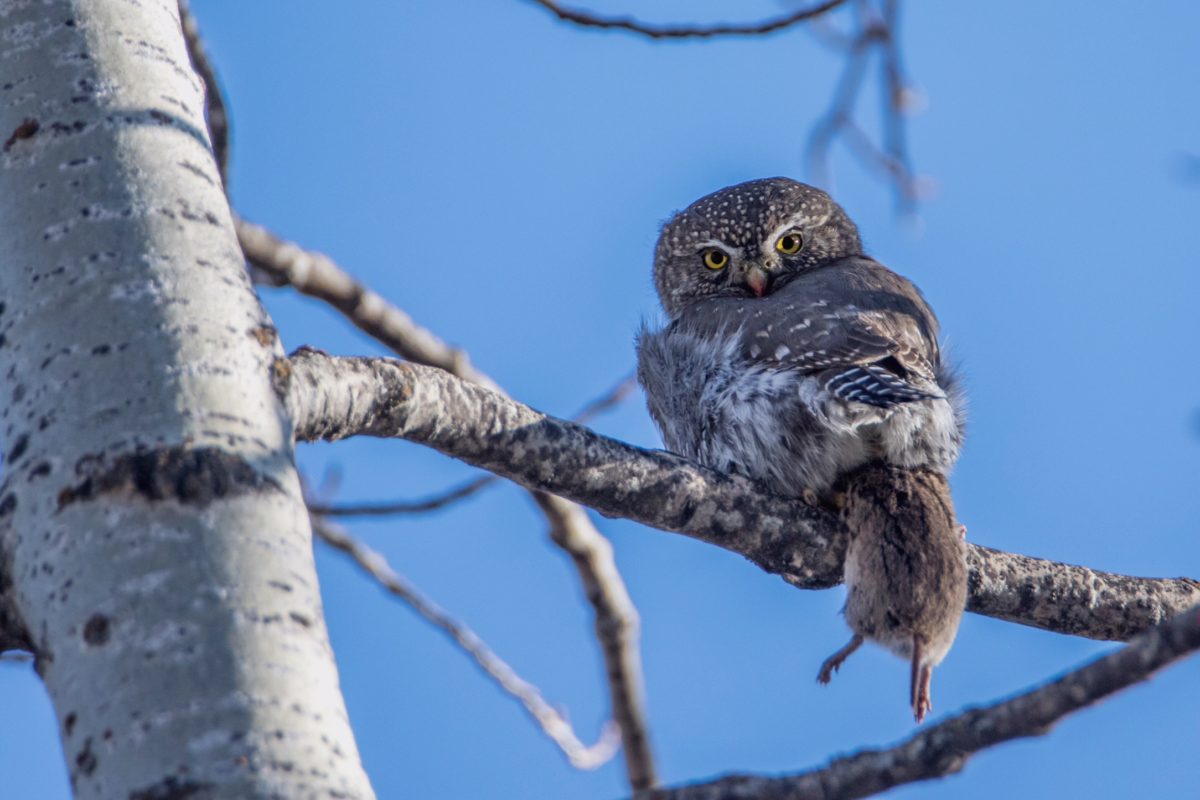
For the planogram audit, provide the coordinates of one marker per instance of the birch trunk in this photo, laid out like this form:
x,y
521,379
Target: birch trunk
x,y
155,552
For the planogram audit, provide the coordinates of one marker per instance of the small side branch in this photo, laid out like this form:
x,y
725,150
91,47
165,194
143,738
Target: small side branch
x,y
945,748
552,723
332,398
629,25
448,497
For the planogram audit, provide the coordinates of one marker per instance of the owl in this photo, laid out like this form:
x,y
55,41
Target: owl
x,y
791,357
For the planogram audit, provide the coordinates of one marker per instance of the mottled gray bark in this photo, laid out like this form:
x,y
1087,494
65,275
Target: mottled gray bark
x,y
945,748
333,398
154,544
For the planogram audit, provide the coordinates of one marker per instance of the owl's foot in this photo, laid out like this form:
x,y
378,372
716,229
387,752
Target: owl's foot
x,y
810,497
834,661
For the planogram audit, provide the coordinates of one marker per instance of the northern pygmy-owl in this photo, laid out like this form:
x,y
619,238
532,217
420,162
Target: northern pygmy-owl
x,y
793,358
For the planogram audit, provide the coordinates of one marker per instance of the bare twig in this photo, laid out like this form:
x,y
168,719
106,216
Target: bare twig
x,y
945,748
215,112
441,500
876,32
318,276
616,622
332,398
434,502
552,723
630,25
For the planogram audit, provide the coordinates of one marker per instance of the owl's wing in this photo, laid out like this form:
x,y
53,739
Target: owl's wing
x,y
880,358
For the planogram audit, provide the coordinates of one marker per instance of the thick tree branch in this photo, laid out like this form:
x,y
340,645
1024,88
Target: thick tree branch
x,y
332,398
945,748
448,497
630,25
552,723
616,617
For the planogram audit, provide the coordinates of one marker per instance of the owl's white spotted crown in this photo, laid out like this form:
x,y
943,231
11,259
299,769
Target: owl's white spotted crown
x,y
744,221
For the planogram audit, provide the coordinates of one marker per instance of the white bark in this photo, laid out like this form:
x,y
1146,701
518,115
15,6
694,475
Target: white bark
x,y
154,548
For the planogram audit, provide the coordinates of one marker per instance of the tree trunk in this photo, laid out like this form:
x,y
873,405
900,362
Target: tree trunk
x,y
155,552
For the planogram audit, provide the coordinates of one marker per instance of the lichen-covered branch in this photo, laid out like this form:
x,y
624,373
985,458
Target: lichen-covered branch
x,y
552,723
462,491
945,748
333,398
628,24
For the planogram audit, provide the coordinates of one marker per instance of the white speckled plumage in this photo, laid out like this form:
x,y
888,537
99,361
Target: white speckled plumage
x,y
814,369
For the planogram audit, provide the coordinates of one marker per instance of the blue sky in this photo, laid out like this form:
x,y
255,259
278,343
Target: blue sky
x,y
501,177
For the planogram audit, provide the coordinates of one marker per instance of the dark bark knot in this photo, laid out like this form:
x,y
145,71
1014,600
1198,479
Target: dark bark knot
x,y
196,476
85,760
97,630
171,788
25,130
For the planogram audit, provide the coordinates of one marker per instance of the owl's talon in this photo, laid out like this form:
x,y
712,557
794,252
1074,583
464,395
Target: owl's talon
x,y
810,497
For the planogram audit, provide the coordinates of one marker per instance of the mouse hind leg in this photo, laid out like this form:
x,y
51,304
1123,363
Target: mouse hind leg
x,y
920,679
834,661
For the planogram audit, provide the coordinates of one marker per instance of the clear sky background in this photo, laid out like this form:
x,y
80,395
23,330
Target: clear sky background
x,y
501,177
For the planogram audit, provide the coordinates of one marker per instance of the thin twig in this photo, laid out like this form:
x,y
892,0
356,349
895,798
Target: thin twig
x,y
445,498
945,748
876,32
552,723
630,25
215,112
434,502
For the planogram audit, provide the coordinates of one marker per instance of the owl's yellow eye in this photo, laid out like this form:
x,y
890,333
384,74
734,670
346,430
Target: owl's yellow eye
x,y
789,244
715,259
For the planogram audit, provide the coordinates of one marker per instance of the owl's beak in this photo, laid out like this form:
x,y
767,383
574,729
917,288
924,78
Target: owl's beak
x,y
758,279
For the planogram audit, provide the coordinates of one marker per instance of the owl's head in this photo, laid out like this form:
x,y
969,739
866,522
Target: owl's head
x,y
747,240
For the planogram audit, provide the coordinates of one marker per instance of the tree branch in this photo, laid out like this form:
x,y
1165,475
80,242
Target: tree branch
x,y
630,25
945,748
447,497
318,276
332,398
616,617
552,723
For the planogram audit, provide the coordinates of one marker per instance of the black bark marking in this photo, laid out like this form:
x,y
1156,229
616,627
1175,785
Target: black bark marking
x,y
86,759
191,476
97,630
28,127
171,788
69,723
18,449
